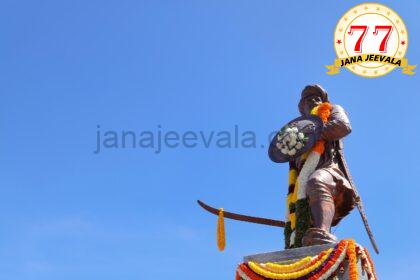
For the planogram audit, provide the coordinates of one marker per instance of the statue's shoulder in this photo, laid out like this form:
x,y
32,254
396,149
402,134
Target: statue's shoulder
x,y
338,109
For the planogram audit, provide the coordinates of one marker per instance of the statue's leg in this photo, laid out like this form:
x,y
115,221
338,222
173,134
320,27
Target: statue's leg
x,y
320,190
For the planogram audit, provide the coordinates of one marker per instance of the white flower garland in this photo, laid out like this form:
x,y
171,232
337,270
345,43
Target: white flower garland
x,y
293,237
308,168
287,144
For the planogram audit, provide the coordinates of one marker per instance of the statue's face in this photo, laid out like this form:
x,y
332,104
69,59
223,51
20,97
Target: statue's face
x,y
310,102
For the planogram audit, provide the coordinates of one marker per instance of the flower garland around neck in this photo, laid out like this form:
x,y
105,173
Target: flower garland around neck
x,y
298,216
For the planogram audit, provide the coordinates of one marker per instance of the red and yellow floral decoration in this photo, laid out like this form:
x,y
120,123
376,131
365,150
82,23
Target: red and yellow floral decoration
x,y
323,266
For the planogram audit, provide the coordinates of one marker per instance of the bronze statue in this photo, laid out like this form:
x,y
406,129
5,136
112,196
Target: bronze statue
x,y
321,190
329,192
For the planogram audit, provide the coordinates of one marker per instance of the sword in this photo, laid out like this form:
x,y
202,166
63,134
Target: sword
x,y
278,223
358,200
240,217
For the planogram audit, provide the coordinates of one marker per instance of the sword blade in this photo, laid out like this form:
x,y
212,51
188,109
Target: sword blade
x,y
358,201
368,230
243,218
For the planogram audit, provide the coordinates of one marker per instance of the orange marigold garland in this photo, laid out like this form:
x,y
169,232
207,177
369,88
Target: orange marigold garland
x,y
320,256
324,111
237,276
321,267
332,263
319,147
247,273
370,263
352,256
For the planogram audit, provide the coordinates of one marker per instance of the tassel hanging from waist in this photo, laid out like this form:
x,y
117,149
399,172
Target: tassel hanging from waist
x,y
221,239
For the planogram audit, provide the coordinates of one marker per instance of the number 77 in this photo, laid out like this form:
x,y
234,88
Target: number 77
x,y
382,46
364,28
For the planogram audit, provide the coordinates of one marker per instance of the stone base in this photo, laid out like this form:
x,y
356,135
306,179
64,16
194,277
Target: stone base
x,y
286,256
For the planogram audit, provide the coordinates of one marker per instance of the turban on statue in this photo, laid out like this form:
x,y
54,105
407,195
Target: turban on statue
x,y
311,90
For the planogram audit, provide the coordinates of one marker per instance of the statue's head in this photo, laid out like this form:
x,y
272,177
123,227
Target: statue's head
x,y
312,95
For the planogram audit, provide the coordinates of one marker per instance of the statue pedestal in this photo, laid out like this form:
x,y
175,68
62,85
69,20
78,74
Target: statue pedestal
x,y
293,255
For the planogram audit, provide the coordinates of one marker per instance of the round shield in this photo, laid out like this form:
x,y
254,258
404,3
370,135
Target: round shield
x,y
295,138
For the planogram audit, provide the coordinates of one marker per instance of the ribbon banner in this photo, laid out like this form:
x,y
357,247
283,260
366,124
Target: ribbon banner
x,y
344,62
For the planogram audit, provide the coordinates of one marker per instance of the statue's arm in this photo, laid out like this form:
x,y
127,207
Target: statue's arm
x,y
338,125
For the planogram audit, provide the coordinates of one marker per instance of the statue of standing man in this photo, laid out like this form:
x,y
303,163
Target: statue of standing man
x,y
325,192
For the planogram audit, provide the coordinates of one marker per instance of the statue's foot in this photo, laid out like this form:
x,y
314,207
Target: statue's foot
x,y
317,236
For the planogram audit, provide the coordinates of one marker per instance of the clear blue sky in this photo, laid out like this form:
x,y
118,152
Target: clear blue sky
x,y
69,66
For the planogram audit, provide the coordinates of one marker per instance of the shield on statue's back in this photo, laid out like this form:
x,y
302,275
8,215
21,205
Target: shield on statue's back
x,y
295,138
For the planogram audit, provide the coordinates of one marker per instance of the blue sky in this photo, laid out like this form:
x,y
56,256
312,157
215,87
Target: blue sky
x,y
69,66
